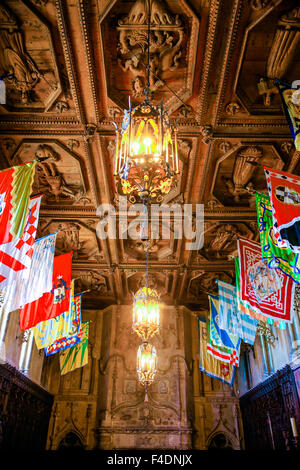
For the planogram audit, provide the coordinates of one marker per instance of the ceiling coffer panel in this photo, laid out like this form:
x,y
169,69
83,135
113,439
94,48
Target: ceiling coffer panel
x,y
173,35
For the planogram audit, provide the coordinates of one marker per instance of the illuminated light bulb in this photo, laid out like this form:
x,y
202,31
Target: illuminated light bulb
x,y
146,363
147,142
136,147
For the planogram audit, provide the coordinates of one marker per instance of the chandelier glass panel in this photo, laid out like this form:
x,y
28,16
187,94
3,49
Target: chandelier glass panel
x,y
146,313
146,364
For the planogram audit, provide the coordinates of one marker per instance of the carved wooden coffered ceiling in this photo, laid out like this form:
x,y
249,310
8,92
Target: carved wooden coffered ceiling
x,y
71,67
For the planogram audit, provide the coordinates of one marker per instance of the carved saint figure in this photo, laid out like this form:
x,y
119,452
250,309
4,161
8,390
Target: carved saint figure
x,y
23,73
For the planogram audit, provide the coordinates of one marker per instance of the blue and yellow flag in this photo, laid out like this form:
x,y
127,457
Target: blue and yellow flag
x,y
217,335
291,109
209,364
74,333
76,356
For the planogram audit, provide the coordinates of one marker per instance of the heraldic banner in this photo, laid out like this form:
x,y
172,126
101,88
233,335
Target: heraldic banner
x,y
73,334
268,291
48,331
52,303
15,189
208,363
222,353
282,258
232,317
76,356
284,192
291,109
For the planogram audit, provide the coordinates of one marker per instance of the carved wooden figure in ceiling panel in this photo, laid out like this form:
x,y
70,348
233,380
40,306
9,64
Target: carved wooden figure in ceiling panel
x,y
156,280
27,58
173,35
94,281
74,236
221,240
59,174
270,50
159,248
240,170
205,283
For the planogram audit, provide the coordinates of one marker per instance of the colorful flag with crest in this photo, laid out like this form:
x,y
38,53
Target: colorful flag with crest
x,y
231,317
16,259
244,307
217,335
222,353
284,192
264,290
15,188
209,364
281,258
76,356
71,331
52,303
48,331
291,110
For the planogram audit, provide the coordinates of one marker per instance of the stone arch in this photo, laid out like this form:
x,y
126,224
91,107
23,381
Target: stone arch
x,y
71,440
220,441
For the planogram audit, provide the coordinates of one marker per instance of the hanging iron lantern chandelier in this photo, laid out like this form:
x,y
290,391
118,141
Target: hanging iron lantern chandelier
x,y
146,313
145,321
146,365
146,159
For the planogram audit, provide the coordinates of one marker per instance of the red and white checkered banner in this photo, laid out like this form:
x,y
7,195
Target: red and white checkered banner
x,y
16,256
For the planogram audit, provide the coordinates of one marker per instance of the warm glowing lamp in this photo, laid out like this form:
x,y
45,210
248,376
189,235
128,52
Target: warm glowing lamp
x,y
146,365
146,159
146,313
